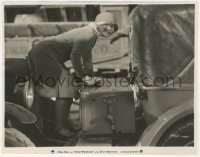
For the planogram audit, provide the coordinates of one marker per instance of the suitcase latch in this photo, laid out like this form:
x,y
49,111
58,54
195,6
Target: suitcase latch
x,y
109,99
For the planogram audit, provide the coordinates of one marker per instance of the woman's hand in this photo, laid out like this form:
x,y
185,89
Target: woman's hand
x,y
92,81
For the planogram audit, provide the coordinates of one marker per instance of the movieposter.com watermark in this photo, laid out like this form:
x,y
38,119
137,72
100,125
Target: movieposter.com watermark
x,y
100,82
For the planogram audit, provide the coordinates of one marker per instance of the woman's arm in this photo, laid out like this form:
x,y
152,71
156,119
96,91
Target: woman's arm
x,y
120,33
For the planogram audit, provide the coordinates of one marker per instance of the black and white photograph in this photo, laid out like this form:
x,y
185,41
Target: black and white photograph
x,y
99,78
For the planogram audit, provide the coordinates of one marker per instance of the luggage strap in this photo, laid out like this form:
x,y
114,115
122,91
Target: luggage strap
x,y
110,100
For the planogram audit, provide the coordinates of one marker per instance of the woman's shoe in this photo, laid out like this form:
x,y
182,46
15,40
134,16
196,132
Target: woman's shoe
x,y
73,125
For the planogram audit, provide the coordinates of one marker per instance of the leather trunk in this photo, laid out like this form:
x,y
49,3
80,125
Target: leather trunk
x,y
94,110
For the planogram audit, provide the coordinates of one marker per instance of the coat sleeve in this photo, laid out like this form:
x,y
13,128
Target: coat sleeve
x,y
81,55
87,63
76,59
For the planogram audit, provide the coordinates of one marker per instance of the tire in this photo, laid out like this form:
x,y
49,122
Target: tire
x,y
14,138
179,134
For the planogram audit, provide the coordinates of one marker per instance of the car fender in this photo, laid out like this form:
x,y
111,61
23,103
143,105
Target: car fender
x,y
153,132
20,113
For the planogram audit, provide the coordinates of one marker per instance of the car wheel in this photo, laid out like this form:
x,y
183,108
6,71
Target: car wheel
x,y
14,138
180,134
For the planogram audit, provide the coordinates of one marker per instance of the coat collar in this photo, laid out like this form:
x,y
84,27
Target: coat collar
x,y
94,27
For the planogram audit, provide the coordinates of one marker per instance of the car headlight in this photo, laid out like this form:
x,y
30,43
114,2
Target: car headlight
x,y
28,94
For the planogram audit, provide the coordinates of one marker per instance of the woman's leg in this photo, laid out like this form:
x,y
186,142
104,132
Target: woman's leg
x,y
63,106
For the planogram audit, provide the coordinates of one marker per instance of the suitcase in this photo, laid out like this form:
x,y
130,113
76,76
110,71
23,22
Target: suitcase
x,y
107,109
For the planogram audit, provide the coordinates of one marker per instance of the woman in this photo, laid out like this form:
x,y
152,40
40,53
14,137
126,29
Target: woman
x,y
47,59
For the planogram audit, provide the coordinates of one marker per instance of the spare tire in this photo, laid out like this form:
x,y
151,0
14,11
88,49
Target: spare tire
x,y
14,138
180,134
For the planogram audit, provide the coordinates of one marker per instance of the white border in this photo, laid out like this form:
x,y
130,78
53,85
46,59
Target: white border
x,y
147,150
